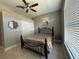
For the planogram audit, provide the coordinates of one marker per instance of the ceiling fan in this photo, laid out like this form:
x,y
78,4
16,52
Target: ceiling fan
x,y
28,7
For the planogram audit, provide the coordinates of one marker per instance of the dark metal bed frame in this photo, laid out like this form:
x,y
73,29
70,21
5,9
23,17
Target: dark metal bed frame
x,y
43,46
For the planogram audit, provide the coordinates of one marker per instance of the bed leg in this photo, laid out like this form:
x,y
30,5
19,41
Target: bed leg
x,y
45,48
22,44
52,35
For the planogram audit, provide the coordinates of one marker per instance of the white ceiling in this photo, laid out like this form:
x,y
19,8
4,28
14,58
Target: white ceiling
x,y
45,6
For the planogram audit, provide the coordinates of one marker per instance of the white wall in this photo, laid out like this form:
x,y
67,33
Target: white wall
x,y
54,21
27,27
11,36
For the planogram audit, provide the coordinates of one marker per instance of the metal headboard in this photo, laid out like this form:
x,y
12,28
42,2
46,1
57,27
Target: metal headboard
x,y
46,30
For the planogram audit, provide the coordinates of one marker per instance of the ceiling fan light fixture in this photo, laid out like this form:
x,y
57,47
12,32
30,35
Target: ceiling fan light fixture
x,y
28,7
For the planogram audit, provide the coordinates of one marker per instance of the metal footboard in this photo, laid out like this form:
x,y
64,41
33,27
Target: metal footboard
x,y
36,46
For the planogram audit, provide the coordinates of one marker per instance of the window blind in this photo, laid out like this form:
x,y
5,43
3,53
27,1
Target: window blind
x,y
71,22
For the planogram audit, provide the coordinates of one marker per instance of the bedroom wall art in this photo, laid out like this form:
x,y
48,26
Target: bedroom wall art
x,y
45,21
12,24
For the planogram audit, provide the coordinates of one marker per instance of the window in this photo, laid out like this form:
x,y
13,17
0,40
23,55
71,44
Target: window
x,y
71,24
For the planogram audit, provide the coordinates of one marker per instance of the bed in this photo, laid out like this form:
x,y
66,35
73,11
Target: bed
x,y
41,42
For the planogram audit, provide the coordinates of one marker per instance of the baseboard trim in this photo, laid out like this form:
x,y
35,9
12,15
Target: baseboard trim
x,y
11,47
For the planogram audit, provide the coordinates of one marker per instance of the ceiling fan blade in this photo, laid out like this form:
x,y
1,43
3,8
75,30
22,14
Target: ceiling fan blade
x,y
27,11
25,2
36,4
20,7
33,10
